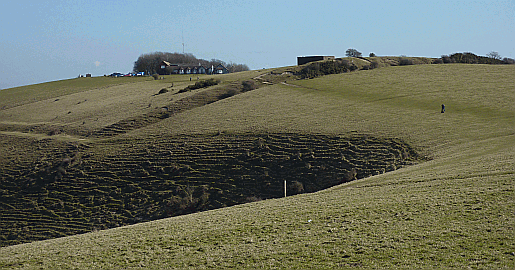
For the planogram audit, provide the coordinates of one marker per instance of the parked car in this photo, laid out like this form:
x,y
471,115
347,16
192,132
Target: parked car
x,y
116,74
140,73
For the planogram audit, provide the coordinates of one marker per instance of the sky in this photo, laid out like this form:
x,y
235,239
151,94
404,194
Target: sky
x,y
52,40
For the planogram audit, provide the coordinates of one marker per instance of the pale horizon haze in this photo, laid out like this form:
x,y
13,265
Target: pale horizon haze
x,y
52,40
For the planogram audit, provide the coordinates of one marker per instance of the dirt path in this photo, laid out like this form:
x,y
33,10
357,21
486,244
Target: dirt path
x,y
39,136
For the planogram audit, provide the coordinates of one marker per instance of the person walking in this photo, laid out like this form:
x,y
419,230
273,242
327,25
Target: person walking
x,y
443,108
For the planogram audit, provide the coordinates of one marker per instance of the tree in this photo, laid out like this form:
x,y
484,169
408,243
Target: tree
x,y
447,59
509,61
352,53
494,55
233,67
372,54
150,62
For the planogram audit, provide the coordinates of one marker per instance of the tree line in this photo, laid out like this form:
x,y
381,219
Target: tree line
x,y
470,58
150,62
464,58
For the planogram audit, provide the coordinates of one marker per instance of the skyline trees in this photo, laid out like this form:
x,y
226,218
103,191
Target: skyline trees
x,y
150,62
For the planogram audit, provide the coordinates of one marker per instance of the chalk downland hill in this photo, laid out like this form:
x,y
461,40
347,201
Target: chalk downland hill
x,y
434,190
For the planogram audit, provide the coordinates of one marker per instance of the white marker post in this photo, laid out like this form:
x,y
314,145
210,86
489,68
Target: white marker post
x,y
284,188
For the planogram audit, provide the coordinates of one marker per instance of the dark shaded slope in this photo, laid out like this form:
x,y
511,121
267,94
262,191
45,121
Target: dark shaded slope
x,y
51,189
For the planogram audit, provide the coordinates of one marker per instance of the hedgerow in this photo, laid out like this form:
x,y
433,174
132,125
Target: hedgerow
x,y
325,68
201,84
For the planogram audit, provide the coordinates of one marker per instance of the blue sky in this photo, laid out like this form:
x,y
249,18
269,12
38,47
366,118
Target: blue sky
x,y
51,40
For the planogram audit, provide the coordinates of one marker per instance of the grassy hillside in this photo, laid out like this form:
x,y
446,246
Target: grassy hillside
x,y
30,94
454,210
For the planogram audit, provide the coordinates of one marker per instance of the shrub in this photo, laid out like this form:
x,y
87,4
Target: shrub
x,y
155,76
465,58
248,86
446,59
200,84
405,62
229,93
324,68
203,84
253,199
365,67
163,115
470,58
374,65
437,61
54,131
372,54
350,175
509,61
296,187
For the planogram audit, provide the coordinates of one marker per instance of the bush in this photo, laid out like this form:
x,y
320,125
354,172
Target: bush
x,y
446,59
374,65
365,67
248,86
509,61
252,199
405,62
470,58
350,175
229,93
372,54
54,131
200,84
156,76
437,61
324,68
296,187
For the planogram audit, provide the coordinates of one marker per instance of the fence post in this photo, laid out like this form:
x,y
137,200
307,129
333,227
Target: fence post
x,y
284,188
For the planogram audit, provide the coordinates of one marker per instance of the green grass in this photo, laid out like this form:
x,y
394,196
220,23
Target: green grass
x,y
79,107
33,93
453,211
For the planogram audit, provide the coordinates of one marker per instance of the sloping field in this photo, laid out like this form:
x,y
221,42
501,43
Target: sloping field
x,y
74,189
453,211
33,93
100,106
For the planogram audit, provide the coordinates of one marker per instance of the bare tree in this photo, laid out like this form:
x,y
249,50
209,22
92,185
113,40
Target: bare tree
x,y
233,67
494,55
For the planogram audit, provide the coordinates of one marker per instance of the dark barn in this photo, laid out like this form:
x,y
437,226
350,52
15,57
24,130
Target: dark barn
x,y
301,60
